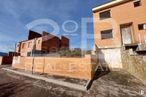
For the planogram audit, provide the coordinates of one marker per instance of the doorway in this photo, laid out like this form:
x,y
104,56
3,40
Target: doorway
x,y
126,33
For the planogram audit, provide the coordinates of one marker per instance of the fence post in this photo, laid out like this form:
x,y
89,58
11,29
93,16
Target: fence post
x,y
32,64
44,62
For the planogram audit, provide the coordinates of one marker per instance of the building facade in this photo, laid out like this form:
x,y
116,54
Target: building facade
x,y
116,24
41,43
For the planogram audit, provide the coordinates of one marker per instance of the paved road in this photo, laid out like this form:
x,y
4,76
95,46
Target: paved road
x,y
113,84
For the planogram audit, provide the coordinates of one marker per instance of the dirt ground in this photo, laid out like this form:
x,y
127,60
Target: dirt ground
x,y
111,84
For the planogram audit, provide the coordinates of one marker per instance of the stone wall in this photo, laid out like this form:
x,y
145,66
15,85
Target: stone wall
x,y
136,65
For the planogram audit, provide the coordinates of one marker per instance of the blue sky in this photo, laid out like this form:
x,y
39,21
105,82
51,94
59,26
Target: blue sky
x,y
16,14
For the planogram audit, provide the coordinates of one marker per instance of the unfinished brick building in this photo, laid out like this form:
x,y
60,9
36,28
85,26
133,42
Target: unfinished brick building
x,y
41,43
118,24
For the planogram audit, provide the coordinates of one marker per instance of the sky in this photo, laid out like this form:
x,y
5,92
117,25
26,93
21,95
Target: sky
x,y
17,17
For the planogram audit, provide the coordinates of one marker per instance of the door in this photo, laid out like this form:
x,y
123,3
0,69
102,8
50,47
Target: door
x,y
126,34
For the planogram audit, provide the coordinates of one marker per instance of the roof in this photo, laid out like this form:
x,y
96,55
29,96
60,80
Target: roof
x,y
49,35
28,40
110,4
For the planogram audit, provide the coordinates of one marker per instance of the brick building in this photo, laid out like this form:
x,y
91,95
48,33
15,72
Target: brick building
x,y
118,24
41,43
7,59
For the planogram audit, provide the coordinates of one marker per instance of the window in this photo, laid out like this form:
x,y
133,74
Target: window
x,y
38,41
29,44
142,26
106,34
137,3
23,45
105,15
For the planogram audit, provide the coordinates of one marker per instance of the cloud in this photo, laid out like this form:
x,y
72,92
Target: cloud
x,y
7,47
7,43
27,11
16,14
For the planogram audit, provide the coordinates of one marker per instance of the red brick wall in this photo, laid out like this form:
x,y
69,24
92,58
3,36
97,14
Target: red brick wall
x,y
50,43
1,58
82,68
33,35
6,60
64,42
47,42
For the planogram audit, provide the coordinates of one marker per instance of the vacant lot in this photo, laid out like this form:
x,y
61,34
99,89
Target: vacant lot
x,y
112,84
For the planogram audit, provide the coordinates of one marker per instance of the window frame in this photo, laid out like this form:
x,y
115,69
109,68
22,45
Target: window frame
x,y
103,32
137,5
102,18
29,44
39,41
23,45
142,26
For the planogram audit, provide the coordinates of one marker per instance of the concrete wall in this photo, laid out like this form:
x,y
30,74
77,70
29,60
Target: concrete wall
x,y
136,65
110,58
82,68
127,14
